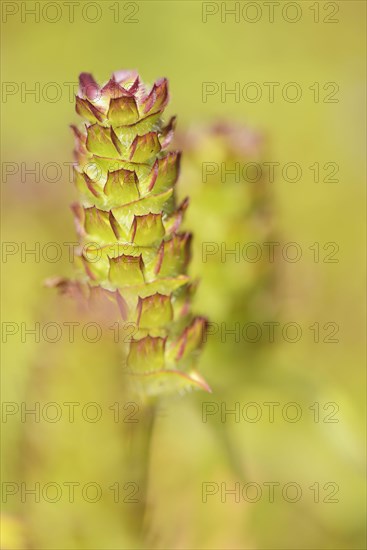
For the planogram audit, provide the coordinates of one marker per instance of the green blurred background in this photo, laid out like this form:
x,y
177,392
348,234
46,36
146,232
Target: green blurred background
x,y
170,39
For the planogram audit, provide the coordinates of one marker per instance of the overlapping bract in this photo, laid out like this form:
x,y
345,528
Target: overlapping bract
x,y
132,251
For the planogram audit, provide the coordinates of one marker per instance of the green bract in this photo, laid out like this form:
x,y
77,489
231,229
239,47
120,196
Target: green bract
x,y
132,253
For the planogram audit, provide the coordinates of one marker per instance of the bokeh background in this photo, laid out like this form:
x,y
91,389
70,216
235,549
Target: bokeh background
x,y
171,39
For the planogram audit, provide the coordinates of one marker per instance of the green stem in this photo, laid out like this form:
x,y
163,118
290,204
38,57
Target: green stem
x,y
137,470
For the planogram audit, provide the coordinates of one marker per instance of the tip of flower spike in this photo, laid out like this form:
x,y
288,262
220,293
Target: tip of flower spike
x,y
123,76
113,89
99,104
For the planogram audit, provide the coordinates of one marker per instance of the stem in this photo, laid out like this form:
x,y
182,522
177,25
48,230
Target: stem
x,y
138,463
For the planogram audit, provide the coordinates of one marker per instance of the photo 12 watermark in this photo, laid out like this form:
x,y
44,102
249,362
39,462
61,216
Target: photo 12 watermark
x,y
269,491
270,92
272,332
53,252
270,12
270,252
270,172
270,412
72,12
70,412
71,492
